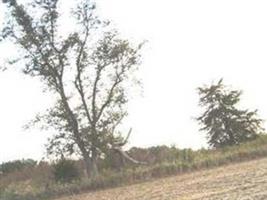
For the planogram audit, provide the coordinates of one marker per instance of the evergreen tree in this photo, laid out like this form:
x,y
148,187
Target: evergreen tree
x,y
224,123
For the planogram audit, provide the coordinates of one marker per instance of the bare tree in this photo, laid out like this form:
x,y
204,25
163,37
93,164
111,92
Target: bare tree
x,y
88,70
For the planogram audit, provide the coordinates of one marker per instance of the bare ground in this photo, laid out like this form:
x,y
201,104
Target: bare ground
x,y
241,181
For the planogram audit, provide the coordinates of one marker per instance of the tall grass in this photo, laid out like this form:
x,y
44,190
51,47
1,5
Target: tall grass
x,y
178,162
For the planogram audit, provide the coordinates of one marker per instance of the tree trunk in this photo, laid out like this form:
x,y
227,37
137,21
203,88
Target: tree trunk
x,y
94,169
87,164
91,166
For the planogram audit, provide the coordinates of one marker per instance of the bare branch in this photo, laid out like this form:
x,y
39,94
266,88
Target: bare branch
x,y
109,97
125,155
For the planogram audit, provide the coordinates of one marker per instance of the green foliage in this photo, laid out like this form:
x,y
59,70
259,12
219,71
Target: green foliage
x,y
224,123
65,171
16,165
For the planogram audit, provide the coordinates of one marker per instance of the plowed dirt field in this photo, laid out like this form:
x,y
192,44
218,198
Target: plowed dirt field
x,y
240,181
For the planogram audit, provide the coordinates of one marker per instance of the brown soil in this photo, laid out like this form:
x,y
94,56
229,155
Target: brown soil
x,y
242,181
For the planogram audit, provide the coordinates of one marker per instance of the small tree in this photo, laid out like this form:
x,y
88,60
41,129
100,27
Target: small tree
x,y
88,70
224,123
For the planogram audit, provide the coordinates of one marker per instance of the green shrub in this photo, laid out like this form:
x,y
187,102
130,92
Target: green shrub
x,y
65,171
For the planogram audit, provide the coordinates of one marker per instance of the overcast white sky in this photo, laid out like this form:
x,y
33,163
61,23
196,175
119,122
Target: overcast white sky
x,y
191,43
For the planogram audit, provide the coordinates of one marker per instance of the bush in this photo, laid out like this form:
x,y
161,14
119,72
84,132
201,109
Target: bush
x,y
65,171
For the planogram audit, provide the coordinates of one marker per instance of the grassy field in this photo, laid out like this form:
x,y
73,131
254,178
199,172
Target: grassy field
x,y
239,181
